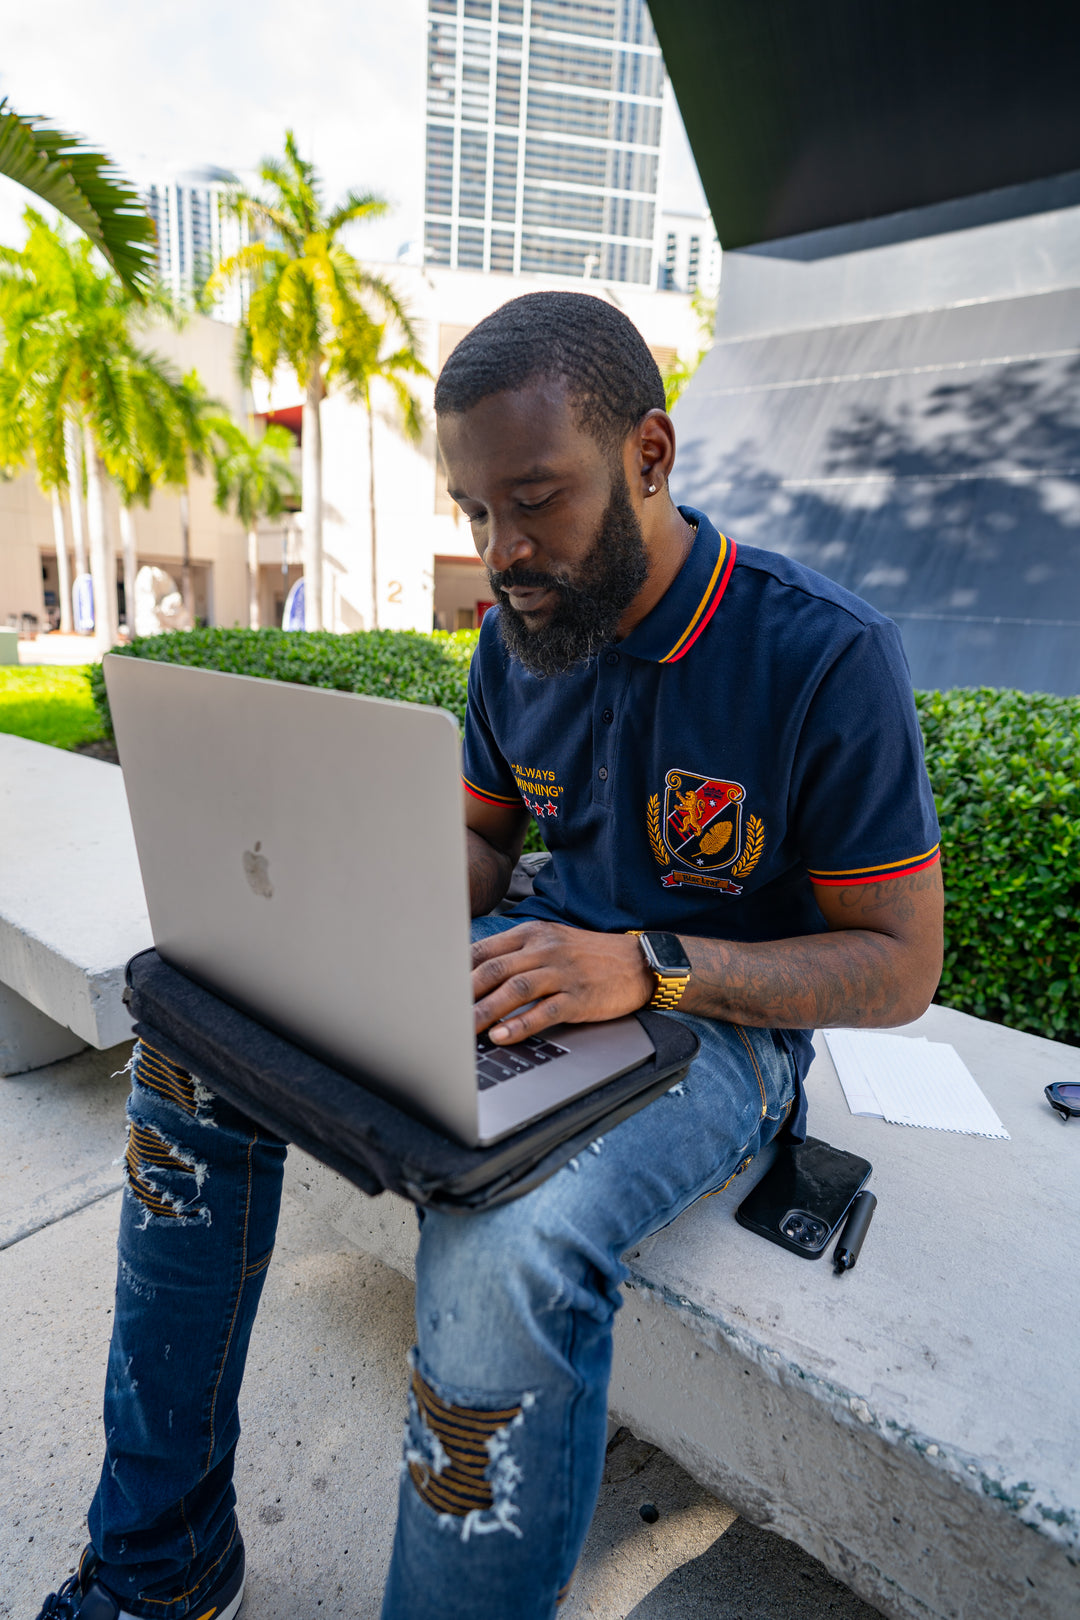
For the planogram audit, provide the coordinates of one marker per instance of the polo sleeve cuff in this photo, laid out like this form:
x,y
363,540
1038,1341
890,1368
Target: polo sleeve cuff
x,y
491,796
875,874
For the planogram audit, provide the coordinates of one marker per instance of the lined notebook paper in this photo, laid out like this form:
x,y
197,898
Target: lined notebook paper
x,y
909,1080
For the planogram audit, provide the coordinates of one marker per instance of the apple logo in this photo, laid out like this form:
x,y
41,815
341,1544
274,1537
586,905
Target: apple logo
x,y
257,871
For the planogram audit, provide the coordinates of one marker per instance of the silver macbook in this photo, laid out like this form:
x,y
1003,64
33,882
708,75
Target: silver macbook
x,y
303,856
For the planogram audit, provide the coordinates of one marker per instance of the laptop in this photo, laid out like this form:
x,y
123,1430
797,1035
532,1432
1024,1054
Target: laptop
x,y
303,856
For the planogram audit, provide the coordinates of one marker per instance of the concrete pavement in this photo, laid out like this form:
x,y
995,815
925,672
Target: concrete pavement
x,y
322,1409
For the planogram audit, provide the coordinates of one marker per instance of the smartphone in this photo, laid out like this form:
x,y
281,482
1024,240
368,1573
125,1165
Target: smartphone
x,y
801,1200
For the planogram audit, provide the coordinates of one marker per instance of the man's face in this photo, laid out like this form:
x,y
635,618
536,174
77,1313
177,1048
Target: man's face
x,y
552,519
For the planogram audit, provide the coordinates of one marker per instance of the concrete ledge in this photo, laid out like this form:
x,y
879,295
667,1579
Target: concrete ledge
x,y
915,1424
71,901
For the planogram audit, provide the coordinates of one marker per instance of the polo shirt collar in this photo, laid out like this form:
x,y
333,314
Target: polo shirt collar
x,y
667,633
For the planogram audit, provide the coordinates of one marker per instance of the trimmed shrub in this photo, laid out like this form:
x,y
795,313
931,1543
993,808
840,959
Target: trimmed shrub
x,y
400,664
1005,769
1004,766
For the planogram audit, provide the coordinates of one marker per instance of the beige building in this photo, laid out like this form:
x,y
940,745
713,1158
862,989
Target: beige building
x,y
28,565
426,571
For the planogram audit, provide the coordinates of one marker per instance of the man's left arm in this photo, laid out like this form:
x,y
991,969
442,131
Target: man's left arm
x,y
877,965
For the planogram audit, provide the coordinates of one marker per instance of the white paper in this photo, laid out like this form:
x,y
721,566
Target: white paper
x,y
909,1080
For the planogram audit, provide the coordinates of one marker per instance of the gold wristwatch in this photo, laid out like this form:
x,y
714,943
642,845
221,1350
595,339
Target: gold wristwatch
x,y
666,958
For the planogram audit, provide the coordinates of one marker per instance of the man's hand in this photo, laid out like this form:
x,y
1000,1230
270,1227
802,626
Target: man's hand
x,y
573,976
877,966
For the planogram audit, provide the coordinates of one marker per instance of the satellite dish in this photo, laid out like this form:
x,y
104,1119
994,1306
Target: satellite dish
x,y
293,616
82,601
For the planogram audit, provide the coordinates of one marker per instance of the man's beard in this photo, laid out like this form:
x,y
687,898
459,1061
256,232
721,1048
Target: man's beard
x,y
591,601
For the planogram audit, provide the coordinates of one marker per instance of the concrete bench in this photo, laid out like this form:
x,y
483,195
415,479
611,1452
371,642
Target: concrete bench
x,y
71,904
915,1424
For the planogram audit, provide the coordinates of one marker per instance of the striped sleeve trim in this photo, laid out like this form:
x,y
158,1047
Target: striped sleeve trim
x,y
487,797
876,874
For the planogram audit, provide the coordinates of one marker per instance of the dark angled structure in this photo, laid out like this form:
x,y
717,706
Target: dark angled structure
x,y
894,393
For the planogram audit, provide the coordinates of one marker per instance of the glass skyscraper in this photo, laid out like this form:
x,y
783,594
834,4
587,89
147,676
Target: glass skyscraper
x,y
543,137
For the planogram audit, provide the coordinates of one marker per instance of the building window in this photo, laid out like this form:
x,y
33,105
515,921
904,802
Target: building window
x,y
470,248
667,267
693,266
502,251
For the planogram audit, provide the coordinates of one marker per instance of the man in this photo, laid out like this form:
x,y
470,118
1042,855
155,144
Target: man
x,y
718,745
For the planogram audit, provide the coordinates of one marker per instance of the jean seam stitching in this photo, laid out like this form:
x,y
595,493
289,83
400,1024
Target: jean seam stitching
x,y
236,1311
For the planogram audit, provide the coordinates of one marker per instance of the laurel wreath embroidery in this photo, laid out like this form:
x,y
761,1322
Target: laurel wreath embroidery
x,y
752,849
653,823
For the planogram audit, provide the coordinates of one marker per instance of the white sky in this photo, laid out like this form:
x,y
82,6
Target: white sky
x,y
168,85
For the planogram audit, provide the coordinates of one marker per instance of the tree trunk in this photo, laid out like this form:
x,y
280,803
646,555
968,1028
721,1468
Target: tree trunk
x,y
73,450
253,577
311,487
186,592
131,565
63,566
101,560
371,499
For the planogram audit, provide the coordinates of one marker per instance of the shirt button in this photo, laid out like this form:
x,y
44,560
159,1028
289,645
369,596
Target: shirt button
x,y
602,773
608,716
611,658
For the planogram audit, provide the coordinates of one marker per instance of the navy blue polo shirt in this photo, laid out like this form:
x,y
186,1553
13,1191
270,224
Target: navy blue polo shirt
x,y
754,736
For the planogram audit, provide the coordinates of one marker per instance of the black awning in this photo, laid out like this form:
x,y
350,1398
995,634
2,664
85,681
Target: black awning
x,y
803,116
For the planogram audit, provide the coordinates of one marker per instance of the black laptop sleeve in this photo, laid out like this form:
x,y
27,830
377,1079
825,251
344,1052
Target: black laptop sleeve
x,y
354,1130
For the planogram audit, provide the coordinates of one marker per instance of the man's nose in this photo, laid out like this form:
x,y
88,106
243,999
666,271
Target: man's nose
x,y
506,545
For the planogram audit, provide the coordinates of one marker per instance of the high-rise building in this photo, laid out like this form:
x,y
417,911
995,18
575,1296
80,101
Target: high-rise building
x,y
194,232
543,137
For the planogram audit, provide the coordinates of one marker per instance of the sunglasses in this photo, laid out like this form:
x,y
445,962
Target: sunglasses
x,y
1064,1097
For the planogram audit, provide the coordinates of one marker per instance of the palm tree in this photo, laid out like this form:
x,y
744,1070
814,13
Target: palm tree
x,y
361,362
255,477
86,186
69,355
308,293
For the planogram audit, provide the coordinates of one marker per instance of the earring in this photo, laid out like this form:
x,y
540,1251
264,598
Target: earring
x,y
652,489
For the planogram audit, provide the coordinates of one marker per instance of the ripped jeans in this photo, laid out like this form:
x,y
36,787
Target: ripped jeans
x,y
504,1443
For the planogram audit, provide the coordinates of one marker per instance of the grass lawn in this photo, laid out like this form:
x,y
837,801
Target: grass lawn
x,y
49,704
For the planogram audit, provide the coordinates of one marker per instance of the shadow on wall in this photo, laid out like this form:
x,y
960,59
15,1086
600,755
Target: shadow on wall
x,y
952,504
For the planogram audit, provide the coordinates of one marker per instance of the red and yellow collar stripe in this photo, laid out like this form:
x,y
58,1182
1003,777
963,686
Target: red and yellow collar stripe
x,y
487,797
709,603
876,874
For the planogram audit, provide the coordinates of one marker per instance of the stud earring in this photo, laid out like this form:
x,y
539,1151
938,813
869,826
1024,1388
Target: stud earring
x,y
652,489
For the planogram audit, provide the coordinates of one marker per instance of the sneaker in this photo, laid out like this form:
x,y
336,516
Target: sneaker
x,y
84,1598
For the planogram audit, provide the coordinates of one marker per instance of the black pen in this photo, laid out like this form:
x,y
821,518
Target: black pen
x,y
860,1215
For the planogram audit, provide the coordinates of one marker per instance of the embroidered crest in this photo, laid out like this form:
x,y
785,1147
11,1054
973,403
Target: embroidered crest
x,y
700,828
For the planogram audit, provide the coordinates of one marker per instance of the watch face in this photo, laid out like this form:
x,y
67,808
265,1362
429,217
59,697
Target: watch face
x,y
665,953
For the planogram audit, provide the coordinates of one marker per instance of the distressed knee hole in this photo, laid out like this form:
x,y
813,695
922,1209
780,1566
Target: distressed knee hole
x,y
155,1072
162,1177
461,1460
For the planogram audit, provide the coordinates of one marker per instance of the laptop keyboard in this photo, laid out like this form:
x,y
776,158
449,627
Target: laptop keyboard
x,y
496,1063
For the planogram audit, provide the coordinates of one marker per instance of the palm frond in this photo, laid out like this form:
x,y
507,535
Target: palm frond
x,y
87,187
355,205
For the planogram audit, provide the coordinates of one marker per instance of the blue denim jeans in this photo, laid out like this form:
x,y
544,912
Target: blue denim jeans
x,y
504,1442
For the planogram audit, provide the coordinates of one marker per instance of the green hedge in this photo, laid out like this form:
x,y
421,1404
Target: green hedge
x,y
400,664
1005,768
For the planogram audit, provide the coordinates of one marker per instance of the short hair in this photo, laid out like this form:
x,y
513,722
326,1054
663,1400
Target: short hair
x,y
594,348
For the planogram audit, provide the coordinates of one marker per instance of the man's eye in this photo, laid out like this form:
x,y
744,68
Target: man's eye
x,y
536,506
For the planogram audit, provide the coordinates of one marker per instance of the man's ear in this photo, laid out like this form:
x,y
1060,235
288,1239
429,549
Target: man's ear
x,y
651,453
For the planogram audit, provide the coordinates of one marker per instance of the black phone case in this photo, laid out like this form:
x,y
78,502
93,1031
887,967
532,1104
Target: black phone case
x,y
804,1195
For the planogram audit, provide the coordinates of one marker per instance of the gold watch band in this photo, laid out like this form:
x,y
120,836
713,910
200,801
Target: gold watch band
x,y
669,989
